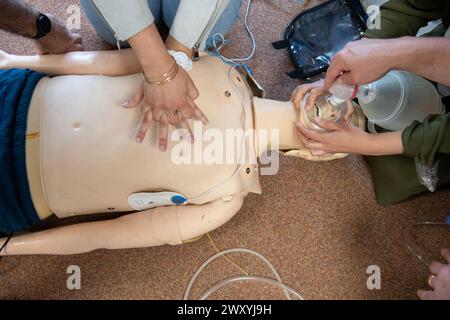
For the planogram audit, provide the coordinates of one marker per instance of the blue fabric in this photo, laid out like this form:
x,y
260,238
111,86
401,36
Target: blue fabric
x,y
165,11
17,212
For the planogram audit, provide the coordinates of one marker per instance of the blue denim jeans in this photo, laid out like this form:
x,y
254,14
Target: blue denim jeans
x,y
163,11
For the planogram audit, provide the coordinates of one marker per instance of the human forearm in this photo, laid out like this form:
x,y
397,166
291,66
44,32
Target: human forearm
x,y
151,52
383,144
343,138
427,57
368,60
173,44
18,17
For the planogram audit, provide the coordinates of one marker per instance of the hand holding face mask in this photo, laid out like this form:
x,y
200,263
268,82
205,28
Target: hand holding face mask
x,y
326,127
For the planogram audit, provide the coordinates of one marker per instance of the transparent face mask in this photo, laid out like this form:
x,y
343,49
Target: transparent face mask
x,y
325,108
347,112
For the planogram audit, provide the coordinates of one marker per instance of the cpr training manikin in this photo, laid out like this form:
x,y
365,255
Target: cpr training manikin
x,y
82,158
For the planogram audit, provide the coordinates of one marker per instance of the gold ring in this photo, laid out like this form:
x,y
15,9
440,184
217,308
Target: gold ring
x,y
430,279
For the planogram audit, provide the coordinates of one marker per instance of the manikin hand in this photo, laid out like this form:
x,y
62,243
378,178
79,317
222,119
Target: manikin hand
x,y
360,62
59,40
439,281
315,89
172,103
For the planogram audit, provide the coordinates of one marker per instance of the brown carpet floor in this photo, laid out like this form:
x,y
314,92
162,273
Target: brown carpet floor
x,y
317,222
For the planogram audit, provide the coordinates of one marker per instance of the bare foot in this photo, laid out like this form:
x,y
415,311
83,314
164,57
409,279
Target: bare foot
x,y
60,39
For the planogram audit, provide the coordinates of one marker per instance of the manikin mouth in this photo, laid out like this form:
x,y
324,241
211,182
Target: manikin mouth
x,y
323,109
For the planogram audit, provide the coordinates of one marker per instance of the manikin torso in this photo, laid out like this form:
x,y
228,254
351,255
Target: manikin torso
x,y
82,157
88,159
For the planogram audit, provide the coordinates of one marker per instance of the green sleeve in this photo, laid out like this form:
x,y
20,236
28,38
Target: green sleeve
x,y
428,140
405,17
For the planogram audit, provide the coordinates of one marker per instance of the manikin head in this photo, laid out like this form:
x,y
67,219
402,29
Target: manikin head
x,y
230,89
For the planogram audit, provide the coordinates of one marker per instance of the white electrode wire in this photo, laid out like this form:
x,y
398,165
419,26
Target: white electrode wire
x,y
218,47
240,162
235,65
226,282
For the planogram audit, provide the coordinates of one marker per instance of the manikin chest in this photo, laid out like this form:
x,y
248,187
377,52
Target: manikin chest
x,y
91,164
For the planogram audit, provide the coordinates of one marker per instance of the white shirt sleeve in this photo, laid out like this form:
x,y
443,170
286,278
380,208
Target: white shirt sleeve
x,y
125,18
195,19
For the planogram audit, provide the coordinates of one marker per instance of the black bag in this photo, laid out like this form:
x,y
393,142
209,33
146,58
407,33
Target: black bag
x,y
316,35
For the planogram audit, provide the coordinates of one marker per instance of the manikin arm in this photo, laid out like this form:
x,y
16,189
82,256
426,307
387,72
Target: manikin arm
x,y
108,63
156,227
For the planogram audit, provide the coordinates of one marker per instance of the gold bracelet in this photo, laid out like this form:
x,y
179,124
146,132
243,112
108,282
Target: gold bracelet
x,y
165,78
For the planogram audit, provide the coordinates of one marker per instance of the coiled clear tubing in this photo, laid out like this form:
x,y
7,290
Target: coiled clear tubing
x,y
288,291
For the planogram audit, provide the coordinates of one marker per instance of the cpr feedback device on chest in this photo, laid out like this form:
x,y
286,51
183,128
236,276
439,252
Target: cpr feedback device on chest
x,y
147,200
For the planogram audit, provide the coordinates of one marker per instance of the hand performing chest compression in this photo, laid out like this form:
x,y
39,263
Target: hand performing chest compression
x,y
167,95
